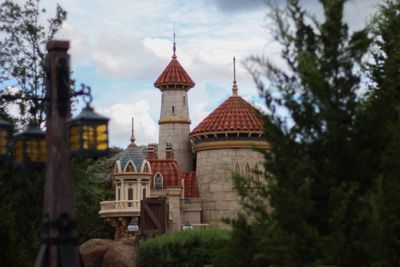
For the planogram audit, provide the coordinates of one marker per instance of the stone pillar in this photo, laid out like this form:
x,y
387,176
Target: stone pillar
x,y
174,197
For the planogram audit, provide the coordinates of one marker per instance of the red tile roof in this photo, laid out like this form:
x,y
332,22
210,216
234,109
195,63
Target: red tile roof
x,y
174,74
191,188
234,115
173,176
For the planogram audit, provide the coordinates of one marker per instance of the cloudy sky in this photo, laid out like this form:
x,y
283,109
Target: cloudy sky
x,y
120,48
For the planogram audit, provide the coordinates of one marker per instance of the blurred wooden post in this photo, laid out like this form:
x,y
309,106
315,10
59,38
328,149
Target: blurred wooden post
x,y
60,246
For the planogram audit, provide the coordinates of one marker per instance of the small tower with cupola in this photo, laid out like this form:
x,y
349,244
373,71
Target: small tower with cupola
x,y
174,84
132,179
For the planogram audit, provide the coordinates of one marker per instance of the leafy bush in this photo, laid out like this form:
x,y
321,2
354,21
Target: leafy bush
x,y
192,248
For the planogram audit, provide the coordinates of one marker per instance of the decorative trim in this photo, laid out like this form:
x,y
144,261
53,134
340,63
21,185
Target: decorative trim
x,y
132,174
206,135
174,120
232,144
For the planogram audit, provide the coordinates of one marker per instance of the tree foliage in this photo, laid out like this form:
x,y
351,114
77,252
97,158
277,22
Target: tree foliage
x,y
382,108
331,171
21,208
23,38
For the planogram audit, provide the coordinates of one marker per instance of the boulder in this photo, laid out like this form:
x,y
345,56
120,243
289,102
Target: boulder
x,y
109,253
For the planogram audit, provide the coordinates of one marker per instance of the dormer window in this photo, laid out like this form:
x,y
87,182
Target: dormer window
x,y
116,168
158,181
146,167
130,167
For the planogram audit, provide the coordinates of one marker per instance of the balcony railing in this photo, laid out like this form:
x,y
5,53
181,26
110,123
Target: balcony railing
x,y
119,207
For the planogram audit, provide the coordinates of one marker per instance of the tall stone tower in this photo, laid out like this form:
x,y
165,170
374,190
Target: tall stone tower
x,y
174,83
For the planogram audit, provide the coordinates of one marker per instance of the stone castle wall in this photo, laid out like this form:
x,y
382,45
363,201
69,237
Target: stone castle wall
x,y
214,175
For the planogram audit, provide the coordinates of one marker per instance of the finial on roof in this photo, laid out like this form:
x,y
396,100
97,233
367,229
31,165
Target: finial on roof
x,y
174,47
234,87
133,134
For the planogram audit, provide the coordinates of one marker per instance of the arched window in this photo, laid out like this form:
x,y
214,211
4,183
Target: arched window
x,y
173,109
184,100
158,181
247,170
130,167
237,168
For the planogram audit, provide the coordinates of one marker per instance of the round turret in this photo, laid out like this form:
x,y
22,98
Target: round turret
x,y
224,144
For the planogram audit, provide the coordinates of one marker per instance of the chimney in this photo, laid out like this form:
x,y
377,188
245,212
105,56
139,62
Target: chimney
x,y
151,151
169,151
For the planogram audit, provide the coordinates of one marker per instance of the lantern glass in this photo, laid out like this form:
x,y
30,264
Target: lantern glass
x,y
5,128
88,134
3,142
18,152
74,138
30,148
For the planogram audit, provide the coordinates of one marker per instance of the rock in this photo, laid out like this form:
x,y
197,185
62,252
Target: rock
x,y
109,253
121,254
93,250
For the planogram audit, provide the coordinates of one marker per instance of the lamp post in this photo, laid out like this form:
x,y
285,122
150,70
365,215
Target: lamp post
x,y
59,244
84,136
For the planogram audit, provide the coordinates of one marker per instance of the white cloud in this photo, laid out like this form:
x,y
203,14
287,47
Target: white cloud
x,y
132,41
120,56
146,129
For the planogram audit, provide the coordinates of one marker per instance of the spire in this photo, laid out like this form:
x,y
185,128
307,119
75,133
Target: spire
x,y
174,47
133,134
234,87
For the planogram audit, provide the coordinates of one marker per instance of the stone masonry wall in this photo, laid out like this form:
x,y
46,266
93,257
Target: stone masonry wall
x,y
174,105
214,175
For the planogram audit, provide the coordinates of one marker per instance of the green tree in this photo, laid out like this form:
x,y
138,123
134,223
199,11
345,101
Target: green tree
x,y
23,38
318,181
382,108
93,184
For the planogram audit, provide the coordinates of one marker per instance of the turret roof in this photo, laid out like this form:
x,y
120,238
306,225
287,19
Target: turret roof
x,y
234,115
174,74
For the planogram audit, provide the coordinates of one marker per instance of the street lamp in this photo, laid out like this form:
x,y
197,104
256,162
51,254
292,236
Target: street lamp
x,y
30,148
5,129
83,136
88,134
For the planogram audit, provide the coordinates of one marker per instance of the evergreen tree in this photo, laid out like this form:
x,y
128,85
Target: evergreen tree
x,y
382,116
317,180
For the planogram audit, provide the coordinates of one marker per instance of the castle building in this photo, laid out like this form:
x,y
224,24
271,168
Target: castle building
x,y
221,145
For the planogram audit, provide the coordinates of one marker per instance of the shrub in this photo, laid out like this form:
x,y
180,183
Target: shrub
x,y
192,248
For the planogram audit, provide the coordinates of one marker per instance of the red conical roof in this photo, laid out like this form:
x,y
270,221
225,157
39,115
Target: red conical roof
x,y
174,74
234,115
